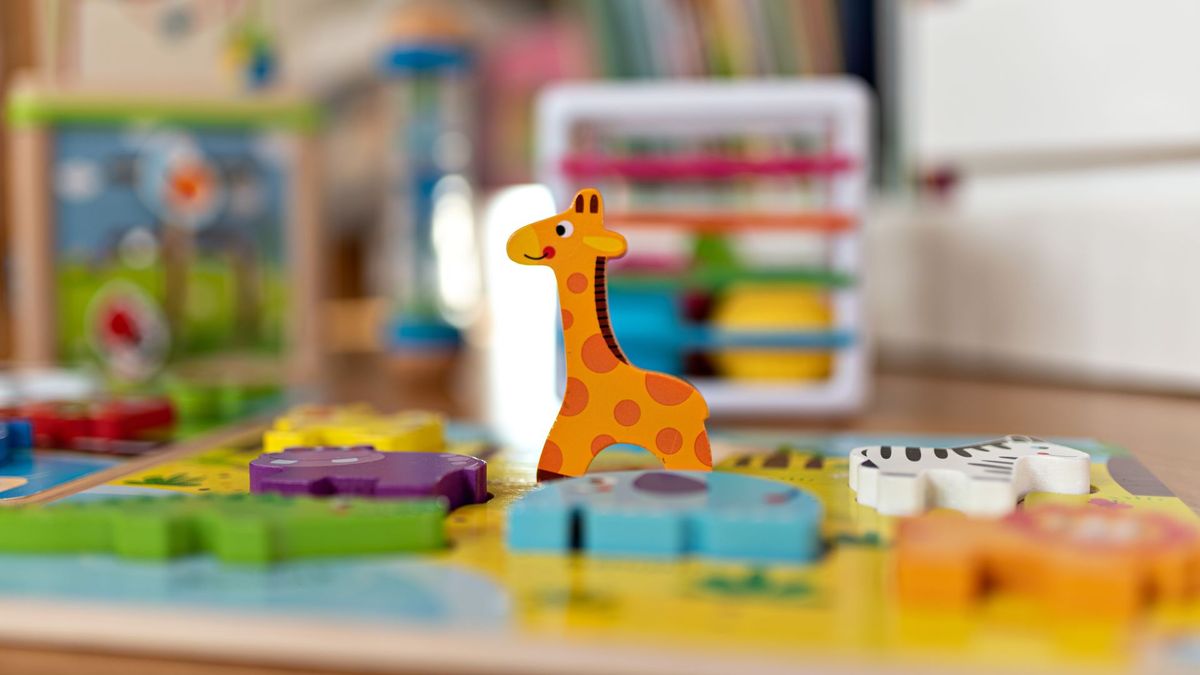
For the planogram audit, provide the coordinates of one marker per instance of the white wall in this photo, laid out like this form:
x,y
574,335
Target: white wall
x,y
1091,272
986,76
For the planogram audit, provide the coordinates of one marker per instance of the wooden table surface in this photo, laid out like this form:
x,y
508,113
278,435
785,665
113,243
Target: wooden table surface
x,y
1163,431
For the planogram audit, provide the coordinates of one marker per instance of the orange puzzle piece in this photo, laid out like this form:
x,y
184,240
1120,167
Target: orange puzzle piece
x,y
608,400
1078,560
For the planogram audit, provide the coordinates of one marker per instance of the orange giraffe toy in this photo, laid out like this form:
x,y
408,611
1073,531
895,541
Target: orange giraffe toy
x,y
608,400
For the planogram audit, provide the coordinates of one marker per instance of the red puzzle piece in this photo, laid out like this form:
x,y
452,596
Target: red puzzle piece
x,y
95,425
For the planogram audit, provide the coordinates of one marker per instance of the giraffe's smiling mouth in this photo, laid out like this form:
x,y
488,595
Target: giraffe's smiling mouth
x,y
529,257
547,252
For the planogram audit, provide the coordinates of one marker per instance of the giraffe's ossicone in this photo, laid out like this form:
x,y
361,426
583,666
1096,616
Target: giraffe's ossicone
x,y
608,400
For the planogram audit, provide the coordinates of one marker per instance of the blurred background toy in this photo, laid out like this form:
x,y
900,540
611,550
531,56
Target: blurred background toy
x,y
161,228
251,52
429,235
743,203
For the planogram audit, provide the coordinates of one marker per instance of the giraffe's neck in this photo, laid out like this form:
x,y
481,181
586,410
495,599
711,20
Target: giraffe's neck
x,y
586,312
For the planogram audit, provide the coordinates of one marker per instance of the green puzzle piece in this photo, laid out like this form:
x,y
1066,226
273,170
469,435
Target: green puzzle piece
x,y
253,529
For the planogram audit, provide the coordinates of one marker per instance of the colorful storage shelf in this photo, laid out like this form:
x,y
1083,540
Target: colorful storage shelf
x,y
758,190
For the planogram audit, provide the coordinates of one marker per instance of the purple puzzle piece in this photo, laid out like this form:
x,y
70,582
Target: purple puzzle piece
x,y
363,471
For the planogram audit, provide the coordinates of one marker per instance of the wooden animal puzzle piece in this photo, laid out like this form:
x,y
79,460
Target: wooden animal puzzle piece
x,y
197,400
15,434
85,425
234,528
363,471
608,400
660,514
314,425
982,479
1076,560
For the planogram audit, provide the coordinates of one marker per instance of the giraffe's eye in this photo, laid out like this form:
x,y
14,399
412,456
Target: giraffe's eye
x,y
564,228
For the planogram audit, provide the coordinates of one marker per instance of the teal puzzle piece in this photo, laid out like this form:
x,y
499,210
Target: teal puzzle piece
x,y
665,515
250,529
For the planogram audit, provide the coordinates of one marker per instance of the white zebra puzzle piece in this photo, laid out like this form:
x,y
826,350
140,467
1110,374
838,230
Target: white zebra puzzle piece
x,y
985,479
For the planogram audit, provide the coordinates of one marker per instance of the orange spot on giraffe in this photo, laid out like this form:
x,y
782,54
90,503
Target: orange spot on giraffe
x,y
669,441
627,413
575,399
552,457
577,283
667,390
596,355
703,450
568,319
601,442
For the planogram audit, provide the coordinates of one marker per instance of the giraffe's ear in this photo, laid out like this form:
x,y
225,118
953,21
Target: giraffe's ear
x,y
588,200
611,244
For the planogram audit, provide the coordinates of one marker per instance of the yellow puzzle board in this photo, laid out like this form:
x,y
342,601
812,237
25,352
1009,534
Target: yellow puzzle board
x,y
839,610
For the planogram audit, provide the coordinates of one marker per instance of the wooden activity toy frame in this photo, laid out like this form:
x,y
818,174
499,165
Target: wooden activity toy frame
x,y
841,108
36,110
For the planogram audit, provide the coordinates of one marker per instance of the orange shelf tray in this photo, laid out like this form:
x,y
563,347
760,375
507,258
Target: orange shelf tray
x,y
821,221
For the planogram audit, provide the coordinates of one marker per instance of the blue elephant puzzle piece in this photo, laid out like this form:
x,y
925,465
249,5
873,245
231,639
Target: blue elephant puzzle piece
x,y
661,514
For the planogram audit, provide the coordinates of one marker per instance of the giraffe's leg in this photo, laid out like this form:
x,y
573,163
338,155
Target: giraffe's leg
x,y
567,451
689,451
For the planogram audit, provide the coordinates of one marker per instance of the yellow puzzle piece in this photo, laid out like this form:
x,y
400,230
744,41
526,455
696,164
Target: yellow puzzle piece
x,y
310,425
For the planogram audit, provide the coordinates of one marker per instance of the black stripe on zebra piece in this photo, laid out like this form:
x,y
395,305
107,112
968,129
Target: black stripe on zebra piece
x,y
913,454
885,452
961,453
996,461
941,453
993,467
1007,457
869,465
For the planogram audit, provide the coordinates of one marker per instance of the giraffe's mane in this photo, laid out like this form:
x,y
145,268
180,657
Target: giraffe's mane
x,y
601,297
